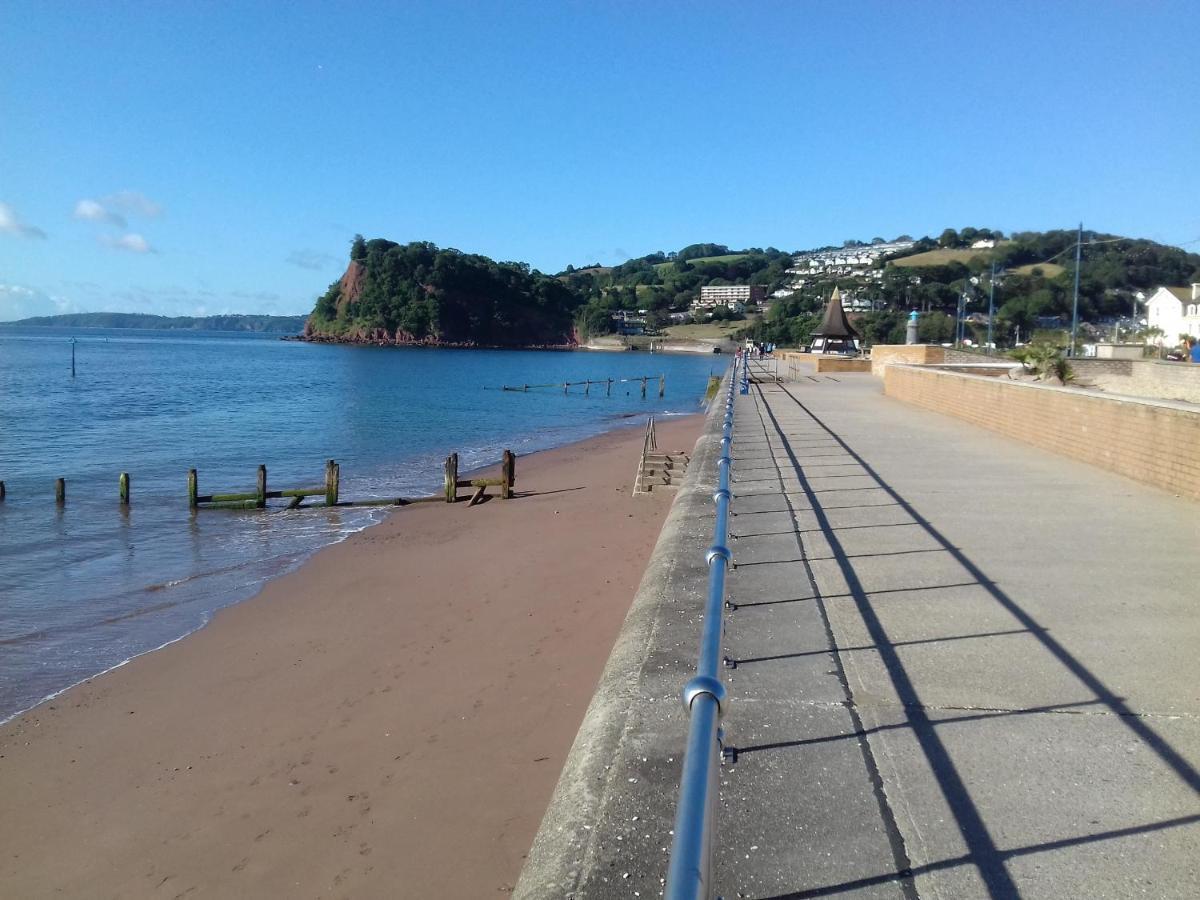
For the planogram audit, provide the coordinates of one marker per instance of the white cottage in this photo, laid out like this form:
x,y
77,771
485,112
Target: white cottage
x,y
1176,310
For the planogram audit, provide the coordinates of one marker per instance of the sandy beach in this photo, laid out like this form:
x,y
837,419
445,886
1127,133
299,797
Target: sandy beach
x,y
387,721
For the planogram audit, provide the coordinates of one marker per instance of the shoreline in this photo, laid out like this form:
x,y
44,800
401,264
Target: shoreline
x,y
610,425
419,664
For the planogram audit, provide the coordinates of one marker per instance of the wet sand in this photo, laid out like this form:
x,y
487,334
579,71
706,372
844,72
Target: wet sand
x,y
387,721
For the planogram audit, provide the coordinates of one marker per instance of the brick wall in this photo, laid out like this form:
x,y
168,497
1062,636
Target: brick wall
x,y
1087,367
1145,378
884,355
841,364
1151,441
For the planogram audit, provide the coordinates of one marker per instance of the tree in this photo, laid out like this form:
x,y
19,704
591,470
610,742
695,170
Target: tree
x,y
948,238
358,248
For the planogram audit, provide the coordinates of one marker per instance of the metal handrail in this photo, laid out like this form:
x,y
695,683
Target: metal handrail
x,y
704,697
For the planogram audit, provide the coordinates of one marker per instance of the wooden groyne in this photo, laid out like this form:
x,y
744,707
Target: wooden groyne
x,y
329,493
587,385
331,489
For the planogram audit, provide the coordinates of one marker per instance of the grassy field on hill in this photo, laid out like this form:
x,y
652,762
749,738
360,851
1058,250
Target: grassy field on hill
x,y
706,330
938,257
1049,270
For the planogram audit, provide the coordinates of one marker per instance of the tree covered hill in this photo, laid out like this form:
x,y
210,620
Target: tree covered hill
x,y
252,323
660,281
417,293
1035,273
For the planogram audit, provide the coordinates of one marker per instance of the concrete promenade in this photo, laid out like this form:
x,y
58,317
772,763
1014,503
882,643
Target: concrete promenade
x,y
962,667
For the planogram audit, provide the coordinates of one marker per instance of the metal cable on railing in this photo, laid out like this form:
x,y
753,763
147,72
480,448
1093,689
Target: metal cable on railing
x,y
704,697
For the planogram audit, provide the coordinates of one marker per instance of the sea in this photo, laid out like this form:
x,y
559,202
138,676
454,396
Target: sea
x,y
90,584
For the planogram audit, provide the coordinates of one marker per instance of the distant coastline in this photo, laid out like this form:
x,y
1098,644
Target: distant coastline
x,y
259,324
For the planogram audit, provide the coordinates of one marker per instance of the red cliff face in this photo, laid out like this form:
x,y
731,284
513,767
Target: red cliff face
x,y
351,286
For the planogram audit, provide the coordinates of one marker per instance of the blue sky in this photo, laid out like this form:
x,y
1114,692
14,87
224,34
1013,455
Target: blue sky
x,y
217,157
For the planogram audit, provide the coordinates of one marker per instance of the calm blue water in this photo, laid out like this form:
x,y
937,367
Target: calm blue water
x,y
85,587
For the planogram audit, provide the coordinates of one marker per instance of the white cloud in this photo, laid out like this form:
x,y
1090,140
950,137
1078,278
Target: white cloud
x,y
91,211
10,223
20,302
311,259
132,242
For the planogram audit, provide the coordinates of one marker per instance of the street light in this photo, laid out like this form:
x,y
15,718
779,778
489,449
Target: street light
x,y
963,300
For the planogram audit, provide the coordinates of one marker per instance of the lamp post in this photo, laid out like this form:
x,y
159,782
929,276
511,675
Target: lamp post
x,y
1075,305
991,306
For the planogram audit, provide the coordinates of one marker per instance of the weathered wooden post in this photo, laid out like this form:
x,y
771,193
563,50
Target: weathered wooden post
x,y
328,481
643,387
662,384
452,478
331,496
566,384
193,489
123,487
60,491
508,474
1,491
261,500
587,390
608,392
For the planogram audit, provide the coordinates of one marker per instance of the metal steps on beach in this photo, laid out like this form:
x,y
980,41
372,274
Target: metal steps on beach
x,y
659,468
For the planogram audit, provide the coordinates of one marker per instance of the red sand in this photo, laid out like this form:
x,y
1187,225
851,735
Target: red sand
x,y
387,721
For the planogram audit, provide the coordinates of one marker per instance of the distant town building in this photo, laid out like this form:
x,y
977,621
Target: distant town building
x,y
846,262
631,323
1176,311
984,244
742,295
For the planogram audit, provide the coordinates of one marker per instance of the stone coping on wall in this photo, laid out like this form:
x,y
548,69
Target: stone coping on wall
x,y
1091,394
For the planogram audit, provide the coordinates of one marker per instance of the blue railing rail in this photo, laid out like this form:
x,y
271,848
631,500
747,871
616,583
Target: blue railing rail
x,y
689,876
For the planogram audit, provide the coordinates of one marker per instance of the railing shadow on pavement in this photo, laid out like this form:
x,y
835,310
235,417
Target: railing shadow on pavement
x,y
982,851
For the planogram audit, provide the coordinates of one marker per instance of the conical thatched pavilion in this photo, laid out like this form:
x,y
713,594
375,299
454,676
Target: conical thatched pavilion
x,y
835,333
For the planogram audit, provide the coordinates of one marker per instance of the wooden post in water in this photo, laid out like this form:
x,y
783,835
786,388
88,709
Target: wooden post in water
x,y
261,502
508,472
662,384
452,478
60,491
643,387
608,393
335,485
587,390
1,491
566,384
123,487
193,489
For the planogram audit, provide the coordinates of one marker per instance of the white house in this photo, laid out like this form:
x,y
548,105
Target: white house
x,y
1175,310
983,244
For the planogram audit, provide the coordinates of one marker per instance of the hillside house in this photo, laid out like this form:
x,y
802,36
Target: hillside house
x,y
1176,311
